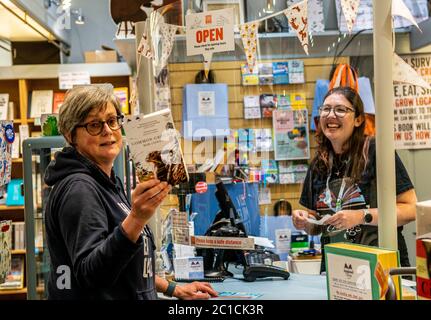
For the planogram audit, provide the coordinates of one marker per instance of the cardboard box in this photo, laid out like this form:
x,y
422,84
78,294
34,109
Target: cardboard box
x,y
423,267
100,56
357,272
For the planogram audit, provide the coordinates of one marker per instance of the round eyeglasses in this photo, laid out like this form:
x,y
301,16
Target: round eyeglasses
x,y
95,128
340,111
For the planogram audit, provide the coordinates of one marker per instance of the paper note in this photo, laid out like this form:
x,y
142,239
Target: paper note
x,y
321,221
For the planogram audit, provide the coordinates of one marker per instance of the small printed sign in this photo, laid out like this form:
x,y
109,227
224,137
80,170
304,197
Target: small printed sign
x,y
68,80
201,187
210,32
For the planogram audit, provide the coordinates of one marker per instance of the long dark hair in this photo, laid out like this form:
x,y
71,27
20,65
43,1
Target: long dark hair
x,y
357,145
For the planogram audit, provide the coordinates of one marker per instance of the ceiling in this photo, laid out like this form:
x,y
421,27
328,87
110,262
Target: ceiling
x,y
13,28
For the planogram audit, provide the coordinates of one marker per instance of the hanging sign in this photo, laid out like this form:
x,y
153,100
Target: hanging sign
x,y
209,32
412,104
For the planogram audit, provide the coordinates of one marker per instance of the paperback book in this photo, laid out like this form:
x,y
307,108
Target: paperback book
x,y
291,140
155,147
248,78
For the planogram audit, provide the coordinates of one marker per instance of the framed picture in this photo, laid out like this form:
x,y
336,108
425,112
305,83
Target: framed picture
x,y
238,5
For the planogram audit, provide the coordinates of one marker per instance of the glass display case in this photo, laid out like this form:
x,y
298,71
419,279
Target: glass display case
x,y
37,154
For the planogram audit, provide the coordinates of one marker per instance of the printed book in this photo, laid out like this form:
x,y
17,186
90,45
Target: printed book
x,y
155,147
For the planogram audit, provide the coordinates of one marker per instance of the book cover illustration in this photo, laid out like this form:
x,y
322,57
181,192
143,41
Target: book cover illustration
x,y
268,103
251,107
5,248
281,72
291,139
123,95
289,173
249,79
296,71
270,171
49,124
15,196
265,74
15,279
298,100
283,101
263,139
41,102
155,147
7,136
58,101
4,105
423,266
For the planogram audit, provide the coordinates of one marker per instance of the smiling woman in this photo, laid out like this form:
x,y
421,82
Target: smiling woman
x,y
92,228
340,185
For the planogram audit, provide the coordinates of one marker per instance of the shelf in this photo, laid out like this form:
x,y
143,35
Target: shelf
x,y
51,71
18,251
11,208
13,291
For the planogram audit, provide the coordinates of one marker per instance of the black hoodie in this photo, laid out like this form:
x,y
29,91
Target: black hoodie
x,y
83,216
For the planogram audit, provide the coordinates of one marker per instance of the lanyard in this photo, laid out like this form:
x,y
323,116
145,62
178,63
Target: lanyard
x,y
328,198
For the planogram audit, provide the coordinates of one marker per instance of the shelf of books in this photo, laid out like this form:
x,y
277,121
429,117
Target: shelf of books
x,y
27,94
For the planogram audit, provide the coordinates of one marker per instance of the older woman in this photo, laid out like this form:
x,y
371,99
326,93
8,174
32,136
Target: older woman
x,y
341,180
100,245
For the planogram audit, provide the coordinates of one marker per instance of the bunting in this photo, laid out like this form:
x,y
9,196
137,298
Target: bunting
x,y
350,11
400,9
403,72
298,20
167,32
248,34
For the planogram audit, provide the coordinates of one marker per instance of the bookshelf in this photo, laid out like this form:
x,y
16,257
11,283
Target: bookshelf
x,y
19,82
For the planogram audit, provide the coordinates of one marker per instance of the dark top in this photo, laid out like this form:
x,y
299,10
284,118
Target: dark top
x,y
83,216
354,196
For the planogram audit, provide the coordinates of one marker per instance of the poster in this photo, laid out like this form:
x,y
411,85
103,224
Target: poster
x,y
291,141
412,108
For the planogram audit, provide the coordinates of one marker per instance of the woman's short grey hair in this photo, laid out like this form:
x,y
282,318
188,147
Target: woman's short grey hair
x,y
80,101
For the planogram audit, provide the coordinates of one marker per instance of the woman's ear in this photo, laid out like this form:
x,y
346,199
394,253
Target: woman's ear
x,y
359,120
68,138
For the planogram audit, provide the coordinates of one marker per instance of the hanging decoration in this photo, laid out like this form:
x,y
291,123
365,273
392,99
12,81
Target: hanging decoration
x,y
403,72
144,47
399,8
248,34
350,11
167,32
210,32
298,20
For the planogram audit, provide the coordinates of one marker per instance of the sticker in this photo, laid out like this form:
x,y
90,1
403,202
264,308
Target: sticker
x,y
9,133
201,187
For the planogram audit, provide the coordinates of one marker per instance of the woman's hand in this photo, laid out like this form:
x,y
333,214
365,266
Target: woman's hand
x,y
346,219
299,219
146,197
195,290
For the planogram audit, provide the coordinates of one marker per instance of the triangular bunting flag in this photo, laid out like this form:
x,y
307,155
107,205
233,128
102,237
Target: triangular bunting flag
x,y
207,63
298,20
403,72
144,48
350,11
400,9
167,32
248,34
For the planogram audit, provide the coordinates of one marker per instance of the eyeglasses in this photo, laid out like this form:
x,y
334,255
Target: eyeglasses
x,y
95,128
340,111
